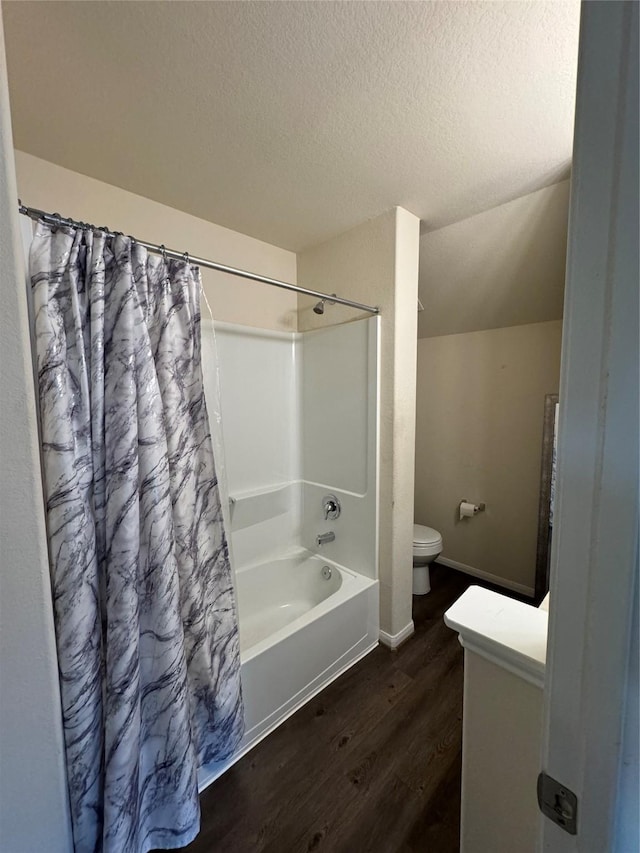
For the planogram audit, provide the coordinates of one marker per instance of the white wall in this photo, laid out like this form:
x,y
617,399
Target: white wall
x,y
480,406
33,791
377,263
49,187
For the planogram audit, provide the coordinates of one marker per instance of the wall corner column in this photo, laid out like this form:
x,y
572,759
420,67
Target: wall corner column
x,y
405,348
377,263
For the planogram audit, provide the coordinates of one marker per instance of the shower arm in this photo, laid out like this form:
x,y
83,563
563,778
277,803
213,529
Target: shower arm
x,y
56,219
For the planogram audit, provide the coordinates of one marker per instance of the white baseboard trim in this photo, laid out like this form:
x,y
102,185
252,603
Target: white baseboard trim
x,y
487,576
392,641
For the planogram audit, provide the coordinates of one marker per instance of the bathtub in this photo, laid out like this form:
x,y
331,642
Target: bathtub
x,y
300,629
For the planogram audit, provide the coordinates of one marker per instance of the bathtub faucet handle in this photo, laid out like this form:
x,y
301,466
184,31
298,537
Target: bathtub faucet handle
x,y
323,538
331,506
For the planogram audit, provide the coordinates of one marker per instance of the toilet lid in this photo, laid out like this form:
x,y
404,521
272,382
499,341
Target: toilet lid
x,y
425,535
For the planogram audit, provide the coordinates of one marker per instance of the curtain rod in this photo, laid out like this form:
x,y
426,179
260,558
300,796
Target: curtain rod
x,y
56,219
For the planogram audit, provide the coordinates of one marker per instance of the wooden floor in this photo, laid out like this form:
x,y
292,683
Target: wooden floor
x,y
370,764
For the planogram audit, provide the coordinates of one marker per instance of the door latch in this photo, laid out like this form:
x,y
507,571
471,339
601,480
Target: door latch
x,y
558,803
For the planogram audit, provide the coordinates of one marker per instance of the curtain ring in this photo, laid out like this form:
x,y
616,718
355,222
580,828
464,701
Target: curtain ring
x,y
186,257
163,252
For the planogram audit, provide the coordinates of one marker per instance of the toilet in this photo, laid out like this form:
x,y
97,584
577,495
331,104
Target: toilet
x,y
427,545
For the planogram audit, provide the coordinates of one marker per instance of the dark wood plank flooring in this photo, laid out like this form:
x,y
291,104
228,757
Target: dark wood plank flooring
x,y
370,765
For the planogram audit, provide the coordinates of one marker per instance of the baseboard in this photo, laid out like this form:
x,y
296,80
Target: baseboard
x,y
486,576
392,641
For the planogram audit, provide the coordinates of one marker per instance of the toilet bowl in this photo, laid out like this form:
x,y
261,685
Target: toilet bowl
x,y
427,545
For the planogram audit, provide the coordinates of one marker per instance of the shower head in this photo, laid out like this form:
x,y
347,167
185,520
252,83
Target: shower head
x,y
318,308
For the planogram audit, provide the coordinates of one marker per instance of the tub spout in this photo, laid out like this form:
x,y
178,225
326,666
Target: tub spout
x,y
323,538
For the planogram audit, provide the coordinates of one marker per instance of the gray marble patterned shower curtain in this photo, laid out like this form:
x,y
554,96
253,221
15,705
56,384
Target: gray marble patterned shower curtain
x,y
144,610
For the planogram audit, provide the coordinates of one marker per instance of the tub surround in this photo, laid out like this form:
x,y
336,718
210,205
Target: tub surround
x,y
299,422
339,429
259,377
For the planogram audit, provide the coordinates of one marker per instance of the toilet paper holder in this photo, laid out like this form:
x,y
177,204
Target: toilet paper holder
x,y
468,510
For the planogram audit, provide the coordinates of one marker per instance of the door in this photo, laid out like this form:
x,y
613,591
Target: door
x,y
590,692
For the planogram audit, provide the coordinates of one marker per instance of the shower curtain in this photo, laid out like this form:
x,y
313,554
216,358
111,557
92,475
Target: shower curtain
x,y
144,607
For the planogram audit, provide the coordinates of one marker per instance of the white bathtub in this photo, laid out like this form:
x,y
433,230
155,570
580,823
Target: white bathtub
x,y
298,632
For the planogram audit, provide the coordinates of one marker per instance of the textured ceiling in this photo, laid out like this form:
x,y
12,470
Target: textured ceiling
x,y
292,122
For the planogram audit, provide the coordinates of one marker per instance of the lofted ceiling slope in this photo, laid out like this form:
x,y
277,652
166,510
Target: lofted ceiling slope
x,y
502,267
294,121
